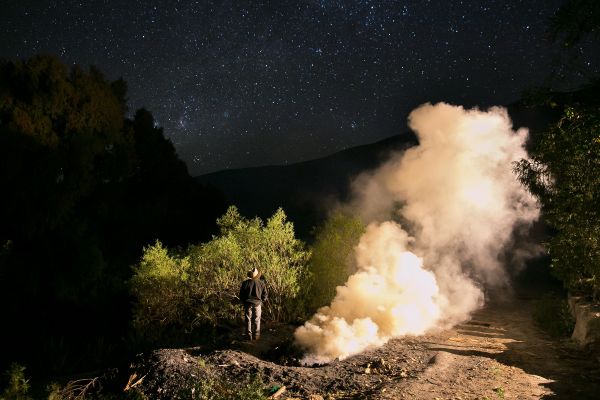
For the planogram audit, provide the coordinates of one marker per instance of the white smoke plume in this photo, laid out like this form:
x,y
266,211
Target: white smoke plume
x,y
457,196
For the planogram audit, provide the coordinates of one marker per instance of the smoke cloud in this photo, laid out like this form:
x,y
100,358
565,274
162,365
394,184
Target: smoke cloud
x,y
440,216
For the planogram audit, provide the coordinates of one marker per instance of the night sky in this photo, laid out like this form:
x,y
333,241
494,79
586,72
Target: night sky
x,y
237,84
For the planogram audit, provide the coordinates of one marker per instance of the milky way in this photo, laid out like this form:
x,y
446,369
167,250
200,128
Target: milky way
x,y
277,82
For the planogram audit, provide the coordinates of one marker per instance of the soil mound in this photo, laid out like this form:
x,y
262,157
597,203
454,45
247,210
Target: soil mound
x,y
500,353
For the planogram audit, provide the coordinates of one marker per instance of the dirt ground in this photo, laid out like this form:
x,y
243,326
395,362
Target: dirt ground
x,y
498,354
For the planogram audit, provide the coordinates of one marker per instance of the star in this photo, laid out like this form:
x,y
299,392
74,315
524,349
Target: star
x,y
227,75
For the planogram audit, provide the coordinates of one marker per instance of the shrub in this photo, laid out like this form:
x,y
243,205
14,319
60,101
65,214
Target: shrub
x,y
158,284
18,386
219,266
200,286
332,260
210,388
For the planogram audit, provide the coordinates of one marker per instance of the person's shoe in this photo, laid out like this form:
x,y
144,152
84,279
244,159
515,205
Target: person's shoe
x,y
257,336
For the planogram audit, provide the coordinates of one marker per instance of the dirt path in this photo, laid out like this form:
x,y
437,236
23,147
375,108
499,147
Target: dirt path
x,y
498,354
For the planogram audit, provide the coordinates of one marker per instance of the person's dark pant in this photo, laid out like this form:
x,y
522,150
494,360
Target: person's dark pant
x,y
252,314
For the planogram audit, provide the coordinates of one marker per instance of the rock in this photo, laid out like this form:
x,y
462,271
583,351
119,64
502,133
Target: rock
x,y
587,322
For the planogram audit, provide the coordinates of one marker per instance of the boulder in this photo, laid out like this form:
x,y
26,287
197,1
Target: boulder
x,y
587,322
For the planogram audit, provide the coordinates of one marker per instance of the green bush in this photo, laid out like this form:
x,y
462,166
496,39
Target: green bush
x,y
199,286
219,266
17,386
159,286
332,260
553,316
210,388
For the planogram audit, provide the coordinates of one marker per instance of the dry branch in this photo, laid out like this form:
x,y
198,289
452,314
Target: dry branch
x,y
131,383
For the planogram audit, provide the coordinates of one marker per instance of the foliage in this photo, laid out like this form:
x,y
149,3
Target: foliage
x,y
220,265
575,26
209,388
576,19
499,392
200,286
157,283
564,174
553,316
18,386
80,389
332,256
84,188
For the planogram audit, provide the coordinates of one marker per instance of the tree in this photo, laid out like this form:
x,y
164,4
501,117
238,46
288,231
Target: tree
x,y
60,136
564,174
84,188
575,26
575,20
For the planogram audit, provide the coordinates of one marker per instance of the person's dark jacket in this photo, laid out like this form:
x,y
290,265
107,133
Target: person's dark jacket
x,y
253,291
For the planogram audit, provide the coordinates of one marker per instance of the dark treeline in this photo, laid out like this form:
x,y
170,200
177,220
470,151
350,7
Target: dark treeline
x,y
84,188
564,170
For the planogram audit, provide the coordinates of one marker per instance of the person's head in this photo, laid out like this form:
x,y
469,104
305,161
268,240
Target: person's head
x,y
253,273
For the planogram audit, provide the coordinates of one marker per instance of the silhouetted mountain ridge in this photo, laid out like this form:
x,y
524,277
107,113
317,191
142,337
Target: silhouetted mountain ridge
x,y
306,190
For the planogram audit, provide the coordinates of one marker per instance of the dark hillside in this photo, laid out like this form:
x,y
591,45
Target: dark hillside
x,y
306,190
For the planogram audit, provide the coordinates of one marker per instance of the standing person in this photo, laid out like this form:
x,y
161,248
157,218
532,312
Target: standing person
x,y
252,294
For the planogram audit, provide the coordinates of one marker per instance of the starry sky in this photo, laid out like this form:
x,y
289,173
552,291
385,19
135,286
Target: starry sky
x,y
248,83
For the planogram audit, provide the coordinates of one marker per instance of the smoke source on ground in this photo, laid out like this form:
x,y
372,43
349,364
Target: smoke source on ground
x,y
440,216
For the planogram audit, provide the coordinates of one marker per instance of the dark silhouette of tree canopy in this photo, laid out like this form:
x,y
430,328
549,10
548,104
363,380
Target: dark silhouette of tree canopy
x,y
564,174
574,20
575,27
84,189
564,170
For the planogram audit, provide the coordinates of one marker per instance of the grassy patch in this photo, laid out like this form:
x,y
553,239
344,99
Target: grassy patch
x,y
499,392
216,389
210,387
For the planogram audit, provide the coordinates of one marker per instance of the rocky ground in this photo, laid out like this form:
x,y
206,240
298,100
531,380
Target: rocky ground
x,y
498,354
